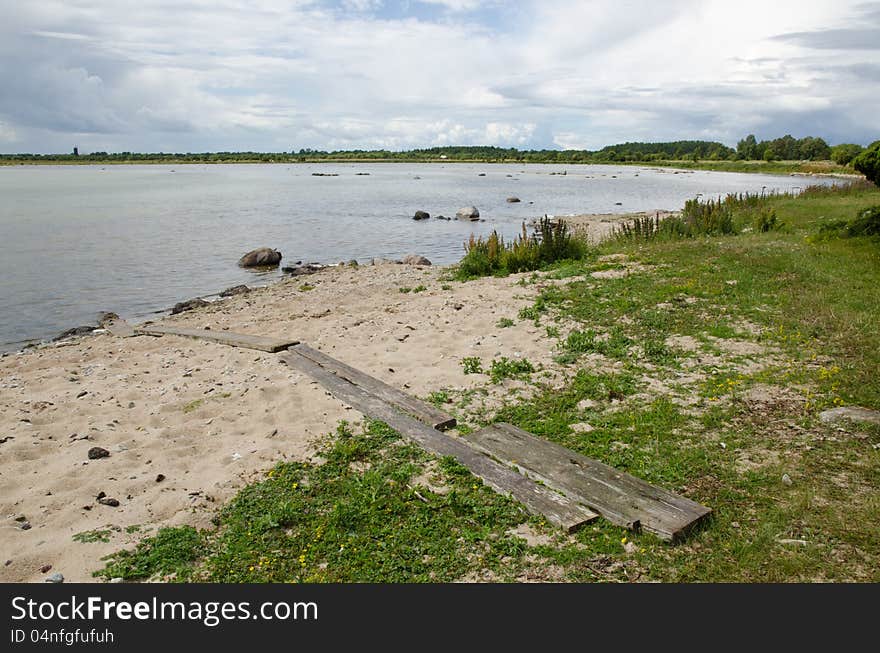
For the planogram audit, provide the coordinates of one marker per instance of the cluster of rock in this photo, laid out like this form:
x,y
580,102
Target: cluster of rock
x,y
299,268
188,305
466,213
103,320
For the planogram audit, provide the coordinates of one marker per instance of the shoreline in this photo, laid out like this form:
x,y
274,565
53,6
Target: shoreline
x,y
189,423
748,167
593,226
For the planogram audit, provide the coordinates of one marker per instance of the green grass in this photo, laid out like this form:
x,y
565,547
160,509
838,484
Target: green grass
x,y
193,405
361,516
472,365
504,368
97,535
702,371
505,323
171,553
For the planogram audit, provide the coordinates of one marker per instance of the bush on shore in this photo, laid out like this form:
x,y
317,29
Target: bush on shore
x,y
868,163
550,242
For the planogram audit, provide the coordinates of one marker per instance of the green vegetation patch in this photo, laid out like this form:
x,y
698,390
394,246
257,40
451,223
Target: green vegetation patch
x,y
378,510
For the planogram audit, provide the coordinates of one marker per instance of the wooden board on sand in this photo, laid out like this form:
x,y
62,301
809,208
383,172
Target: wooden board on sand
x,y
421,410
247,341
619,497
555,507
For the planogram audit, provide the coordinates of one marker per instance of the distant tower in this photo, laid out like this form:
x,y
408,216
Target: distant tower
x,y
76,151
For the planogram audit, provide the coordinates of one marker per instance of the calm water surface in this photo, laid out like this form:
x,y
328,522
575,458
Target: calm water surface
x,y
77,240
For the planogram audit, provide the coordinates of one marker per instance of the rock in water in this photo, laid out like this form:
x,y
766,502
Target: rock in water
x,y
188,305
262,257
467,213
421,215
415,259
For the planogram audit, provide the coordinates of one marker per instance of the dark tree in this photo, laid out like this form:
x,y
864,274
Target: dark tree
x,y
868,162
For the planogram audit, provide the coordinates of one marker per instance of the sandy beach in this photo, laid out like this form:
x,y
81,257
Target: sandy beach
x,y
187,422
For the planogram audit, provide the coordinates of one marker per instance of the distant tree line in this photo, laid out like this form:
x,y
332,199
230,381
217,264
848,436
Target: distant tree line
x,y
786,148
789,148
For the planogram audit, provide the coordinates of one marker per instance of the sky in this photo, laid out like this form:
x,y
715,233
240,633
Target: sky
x,y
281,75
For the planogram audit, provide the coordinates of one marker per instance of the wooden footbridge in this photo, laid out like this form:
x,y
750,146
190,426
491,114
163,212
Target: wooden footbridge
x,y
568,489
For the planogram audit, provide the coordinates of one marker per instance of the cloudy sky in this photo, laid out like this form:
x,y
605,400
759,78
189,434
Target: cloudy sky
x,y
277,75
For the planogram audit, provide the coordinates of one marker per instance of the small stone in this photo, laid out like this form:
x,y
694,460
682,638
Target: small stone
x,y
45,569
117,579
25,526
98,452
20,518
55,578
131,404
82,394
630,547
7,563
108,501
786,479
160,478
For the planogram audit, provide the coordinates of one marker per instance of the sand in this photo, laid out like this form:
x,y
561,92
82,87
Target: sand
x,y
210,418
596,226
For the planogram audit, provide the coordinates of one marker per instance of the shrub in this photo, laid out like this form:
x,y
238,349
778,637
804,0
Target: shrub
x,y
504,368
550,242
711,217
844,153
472,365
766,220
867,223
868,163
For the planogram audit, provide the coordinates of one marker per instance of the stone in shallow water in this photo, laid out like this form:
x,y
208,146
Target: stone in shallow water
x,y
263,256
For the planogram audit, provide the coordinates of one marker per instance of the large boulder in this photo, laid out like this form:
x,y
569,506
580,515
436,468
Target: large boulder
x,y
415,259
467,213
421,215
262,257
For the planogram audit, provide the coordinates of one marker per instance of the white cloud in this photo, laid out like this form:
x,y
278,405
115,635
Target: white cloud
x,y
237,74
7,133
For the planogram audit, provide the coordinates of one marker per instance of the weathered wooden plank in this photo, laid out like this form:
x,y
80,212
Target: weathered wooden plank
x,y
620,497
421,410
247,341
557,508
